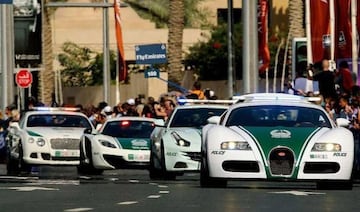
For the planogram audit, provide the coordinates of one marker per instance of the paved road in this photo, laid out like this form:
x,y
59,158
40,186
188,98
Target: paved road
x,y
61,189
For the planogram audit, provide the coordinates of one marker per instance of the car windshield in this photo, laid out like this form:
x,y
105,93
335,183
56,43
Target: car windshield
x,y
270,115
57,120
194,117
128,129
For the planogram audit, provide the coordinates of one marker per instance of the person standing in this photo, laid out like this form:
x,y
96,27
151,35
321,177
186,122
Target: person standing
x,y
326,79
344,78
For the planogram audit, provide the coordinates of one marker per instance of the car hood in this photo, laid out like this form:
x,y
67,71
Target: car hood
x,y
193,135
56,132
292,137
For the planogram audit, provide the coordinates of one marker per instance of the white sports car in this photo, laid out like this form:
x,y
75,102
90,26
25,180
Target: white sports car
x,y
175,147
120,143
277,137
49,136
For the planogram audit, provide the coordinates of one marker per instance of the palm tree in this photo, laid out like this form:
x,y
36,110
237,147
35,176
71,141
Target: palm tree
x,y
296,20
175,40
47,75
184,13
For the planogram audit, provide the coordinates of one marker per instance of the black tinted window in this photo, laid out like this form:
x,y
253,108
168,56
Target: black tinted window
x,y
196,117
57,120
270,115
128,129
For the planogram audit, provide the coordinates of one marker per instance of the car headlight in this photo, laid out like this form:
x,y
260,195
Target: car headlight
x,y
326,147
107,143
235,145
31,140
179,140
40,141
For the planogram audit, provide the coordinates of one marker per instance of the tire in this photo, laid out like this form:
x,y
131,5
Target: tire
x,y
87,168
23,166
154,174
165,174
12,166
335,185
205,180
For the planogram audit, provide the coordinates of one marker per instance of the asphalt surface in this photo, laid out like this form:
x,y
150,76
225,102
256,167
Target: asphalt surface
x,y
62,189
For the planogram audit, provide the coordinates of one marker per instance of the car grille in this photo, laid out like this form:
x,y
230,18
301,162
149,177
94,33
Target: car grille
x,y
321,167
196,156
65,143
240,166
281,161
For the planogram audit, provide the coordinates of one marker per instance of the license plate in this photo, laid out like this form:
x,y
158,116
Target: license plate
x,y
138,157
63,153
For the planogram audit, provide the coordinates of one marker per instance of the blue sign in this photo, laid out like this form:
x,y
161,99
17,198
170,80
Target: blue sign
x,y
6,1
152,72
150,54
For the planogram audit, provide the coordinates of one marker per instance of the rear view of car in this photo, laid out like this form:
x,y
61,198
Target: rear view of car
x,y
121,143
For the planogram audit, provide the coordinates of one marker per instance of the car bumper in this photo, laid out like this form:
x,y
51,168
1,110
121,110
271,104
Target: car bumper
x,y
121,158
183,161
323,166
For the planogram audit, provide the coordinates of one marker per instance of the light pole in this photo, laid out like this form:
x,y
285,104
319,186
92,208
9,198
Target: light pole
x,y
230,21
250,46
6,54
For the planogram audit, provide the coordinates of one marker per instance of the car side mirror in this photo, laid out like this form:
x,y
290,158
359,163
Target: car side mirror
x,y
14,125
214,120
159,123
342,122
87,131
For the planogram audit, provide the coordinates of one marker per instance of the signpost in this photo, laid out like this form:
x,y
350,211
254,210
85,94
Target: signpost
x,y
151,54
6,1
23,78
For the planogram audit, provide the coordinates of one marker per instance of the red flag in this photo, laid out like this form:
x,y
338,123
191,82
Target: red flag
x,y
264,53
120,44
342,29
320,29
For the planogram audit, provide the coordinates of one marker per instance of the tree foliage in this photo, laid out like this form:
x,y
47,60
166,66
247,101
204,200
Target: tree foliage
x,y
209,58
158,12
83,66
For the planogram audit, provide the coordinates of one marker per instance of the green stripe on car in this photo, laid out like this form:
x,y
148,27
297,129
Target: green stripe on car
x,y
134,143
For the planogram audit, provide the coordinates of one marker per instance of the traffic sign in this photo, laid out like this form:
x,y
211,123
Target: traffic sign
x,y
6,1
152,72
150,54
23,78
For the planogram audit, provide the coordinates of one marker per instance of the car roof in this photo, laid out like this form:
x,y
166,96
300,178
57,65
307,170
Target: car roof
x,y
54,113
259,99
131,118
194,106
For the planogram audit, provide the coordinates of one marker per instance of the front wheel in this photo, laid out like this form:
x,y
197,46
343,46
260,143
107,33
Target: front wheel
x,y
154,173
166,175
205,180
335,185
87,167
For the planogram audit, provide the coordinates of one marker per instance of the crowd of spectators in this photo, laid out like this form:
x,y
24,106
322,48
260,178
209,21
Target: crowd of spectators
x,y
340,96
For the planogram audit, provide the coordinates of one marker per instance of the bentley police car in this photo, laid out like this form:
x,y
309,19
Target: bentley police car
x,y
175,147
45,136
277,137
122,142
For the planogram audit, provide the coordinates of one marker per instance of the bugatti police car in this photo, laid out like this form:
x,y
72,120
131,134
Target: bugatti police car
x,y
277,137
122,142
46,136
175,147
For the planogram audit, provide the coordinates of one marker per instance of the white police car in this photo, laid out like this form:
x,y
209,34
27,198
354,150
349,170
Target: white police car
x,y
277,137
46,136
